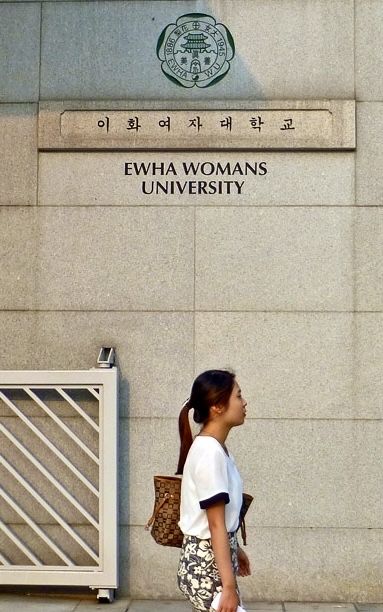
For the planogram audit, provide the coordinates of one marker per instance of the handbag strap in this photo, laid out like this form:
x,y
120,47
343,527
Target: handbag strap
x,y
156,510
243,531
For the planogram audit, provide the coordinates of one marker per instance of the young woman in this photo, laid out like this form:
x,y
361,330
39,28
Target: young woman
x,y
211,494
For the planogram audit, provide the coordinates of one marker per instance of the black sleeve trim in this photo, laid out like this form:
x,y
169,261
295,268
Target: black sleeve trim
x,y
206,503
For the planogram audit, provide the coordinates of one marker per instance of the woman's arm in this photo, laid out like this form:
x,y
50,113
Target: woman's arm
x,y
221,548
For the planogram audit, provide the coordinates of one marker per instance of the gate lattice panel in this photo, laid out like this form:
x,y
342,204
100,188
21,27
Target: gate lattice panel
x,y
58,478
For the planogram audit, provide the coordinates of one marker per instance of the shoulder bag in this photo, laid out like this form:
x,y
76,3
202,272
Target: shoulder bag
x,y
163,524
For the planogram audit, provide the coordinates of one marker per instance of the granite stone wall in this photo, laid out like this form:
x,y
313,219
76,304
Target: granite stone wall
x,y
285,286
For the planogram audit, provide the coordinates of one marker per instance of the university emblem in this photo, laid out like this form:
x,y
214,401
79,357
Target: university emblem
x,y
195,51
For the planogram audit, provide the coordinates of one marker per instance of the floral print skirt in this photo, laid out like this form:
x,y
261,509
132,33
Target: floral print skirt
x,y
198,576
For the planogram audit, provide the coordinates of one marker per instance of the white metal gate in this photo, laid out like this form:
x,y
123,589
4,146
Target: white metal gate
x,y
58,478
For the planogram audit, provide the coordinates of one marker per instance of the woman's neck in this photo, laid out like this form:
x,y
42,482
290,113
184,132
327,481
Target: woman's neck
x,y
220,440
217,432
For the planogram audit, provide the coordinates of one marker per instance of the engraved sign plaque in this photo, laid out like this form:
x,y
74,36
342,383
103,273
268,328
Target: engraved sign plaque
x,y
272,126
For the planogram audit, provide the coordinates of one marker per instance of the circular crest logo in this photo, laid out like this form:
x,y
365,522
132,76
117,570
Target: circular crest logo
x,y
195,51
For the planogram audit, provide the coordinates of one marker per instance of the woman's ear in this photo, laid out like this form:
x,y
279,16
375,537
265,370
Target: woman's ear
x,y
215,411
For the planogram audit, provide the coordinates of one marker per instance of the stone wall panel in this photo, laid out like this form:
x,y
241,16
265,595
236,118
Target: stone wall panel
x,y
18,151
368,44
368,367
290,365
279,259
81,60
368,258
20,46
98,258
304,473
369,181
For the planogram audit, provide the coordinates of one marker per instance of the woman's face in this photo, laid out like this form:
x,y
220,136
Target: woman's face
x,y
235,412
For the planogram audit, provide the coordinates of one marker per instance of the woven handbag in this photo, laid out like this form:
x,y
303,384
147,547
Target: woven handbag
x,y
166,513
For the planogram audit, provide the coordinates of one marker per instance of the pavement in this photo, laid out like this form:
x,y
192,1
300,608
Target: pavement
x,y
10,602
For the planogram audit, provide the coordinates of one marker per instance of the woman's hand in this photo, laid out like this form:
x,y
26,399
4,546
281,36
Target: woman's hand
x,y
243,562
229,600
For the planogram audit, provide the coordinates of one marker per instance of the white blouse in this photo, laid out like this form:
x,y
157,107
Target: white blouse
x,y
210,475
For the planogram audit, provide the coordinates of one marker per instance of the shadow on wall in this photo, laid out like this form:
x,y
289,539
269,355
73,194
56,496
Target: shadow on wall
x,y
123,470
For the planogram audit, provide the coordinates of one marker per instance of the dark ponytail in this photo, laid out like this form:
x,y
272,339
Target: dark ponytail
x,y
211,388
185,435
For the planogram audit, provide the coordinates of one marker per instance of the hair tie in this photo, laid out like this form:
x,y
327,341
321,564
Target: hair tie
x,y
186,404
